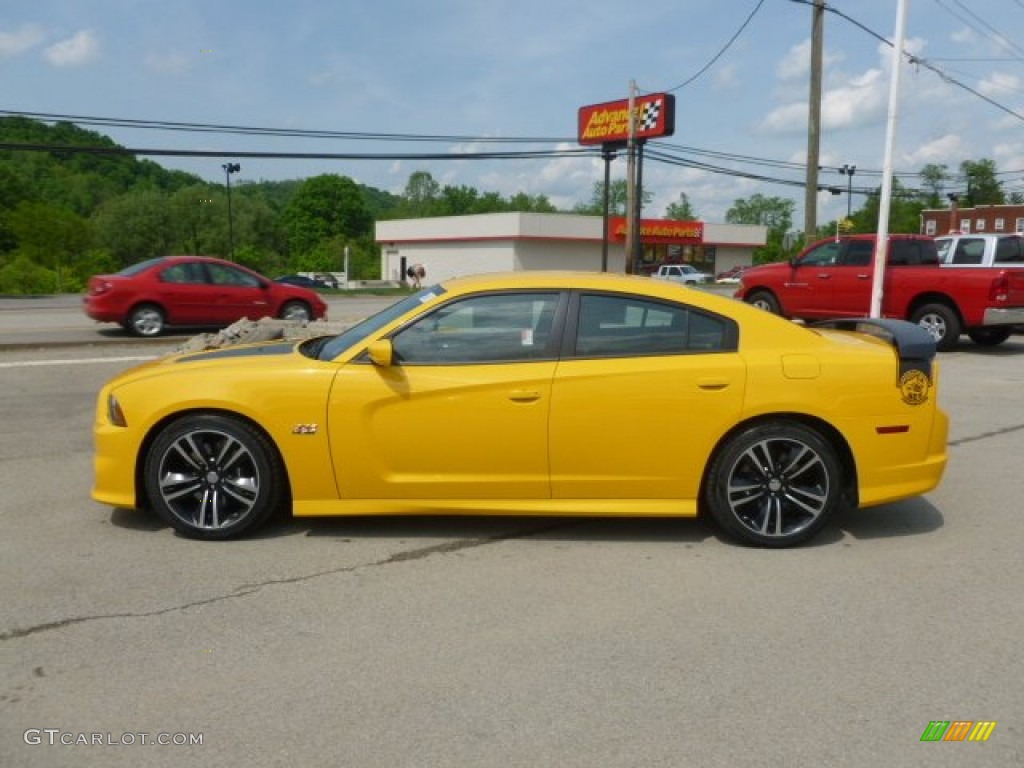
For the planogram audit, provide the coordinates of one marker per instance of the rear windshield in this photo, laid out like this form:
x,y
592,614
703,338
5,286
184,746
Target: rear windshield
x,y
142,266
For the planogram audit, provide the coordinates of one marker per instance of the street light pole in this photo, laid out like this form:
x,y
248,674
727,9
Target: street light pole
x,y
848,170
230,168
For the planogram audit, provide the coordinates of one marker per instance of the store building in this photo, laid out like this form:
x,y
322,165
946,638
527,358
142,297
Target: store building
x,y
981,219
449,246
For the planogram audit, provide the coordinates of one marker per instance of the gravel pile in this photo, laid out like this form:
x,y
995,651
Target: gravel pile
x,y
266,329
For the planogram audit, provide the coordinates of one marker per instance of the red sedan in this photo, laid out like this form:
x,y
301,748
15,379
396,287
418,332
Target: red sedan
x,y
194,291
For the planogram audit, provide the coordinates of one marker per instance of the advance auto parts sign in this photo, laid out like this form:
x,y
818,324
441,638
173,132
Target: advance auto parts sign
x,y
609,122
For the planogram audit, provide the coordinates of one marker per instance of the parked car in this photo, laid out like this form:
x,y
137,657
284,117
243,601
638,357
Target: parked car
x,y
535,393
306,282
681,273
731,275
833,278
982,250
198,291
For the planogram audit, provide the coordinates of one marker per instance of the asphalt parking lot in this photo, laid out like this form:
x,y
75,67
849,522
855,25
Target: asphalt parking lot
x,y
498,642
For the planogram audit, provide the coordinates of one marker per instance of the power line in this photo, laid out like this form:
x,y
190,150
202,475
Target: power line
x,y
989,31
723,49
123,122
154,152
911,58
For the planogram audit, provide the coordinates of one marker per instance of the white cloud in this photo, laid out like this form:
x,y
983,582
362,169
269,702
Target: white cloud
x,y
726,77
19,41
859,102
999,84
173,63
796,64
81,48
965,35
949,150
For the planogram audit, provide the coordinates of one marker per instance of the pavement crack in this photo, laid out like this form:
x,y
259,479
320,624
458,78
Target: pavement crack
x,y
246,590
986,435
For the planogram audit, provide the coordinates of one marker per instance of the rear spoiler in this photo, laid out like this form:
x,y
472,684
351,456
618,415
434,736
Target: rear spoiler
x,y
914,345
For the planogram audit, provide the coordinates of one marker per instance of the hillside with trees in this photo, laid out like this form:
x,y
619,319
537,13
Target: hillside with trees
x,y
68,214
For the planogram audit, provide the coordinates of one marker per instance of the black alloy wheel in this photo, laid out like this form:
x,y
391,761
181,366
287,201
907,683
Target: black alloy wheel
x,y
775,484
213,477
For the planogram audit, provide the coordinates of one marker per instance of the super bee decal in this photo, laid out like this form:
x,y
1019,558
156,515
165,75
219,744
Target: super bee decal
x,y
914,386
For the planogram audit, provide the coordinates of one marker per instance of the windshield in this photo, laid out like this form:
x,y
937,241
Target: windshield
x,y
338,344
135,269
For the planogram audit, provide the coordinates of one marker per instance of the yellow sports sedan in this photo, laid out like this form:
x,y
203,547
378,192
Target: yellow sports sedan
x,y
535,393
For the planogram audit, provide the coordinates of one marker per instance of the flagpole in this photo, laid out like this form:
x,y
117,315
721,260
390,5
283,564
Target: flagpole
x,y
882,240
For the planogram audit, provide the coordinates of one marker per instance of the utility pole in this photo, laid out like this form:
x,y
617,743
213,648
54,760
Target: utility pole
x,y
230,168
631,226
814,124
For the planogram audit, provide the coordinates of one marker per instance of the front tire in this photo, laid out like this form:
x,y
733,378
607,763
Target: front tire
x,y
765,300
146,320
941,322
774,484
213,477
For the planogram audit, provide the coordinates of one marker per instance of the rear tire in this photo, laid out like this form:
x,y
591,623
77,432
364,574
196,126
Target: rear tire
x,y
989,337
765,300
941,322
296,310
775,484
145,320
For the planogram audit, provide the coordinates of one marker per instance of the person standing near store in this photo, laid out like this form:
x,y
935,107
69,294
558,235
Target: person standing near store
x,y
416,273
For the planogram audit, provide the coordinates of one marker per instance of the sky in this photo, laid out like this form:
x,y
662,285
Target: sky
x,y
470,69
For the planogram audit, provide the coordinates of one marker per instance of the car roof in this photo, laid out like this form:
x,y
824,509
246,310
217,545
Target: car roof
x,y
985,235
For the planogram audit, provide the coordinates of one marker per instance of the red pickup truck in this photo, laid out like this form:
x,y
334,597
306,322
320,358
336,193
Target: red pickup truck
x,y
832,278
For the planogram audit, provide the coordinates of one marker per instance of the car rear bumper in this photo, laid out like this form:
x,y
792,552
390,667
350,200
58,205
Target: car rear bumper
x,y
100,312
1004,316
895,481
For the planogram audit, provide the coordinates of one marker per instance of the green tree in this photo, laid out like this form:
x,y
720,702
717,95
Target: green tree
x,y
525,203
617,199
934,177
325,207
137,226
420,198
904,211
200,220
456,201
983,188
775,213
50,236
681,210
22,276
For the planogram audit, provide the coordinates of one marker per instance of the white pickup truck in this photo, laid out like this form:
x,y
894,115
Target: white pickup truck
x,y
681,273
981,250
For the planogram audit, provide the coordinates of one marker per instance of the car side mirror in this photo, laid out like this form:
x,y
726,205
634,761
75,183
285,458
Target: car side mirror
x,y
381,353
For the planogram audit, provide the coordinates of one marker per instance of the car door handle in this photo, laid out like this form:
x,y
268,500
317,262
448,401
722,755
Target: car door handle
x,y
863,277
713,384
524,395
824,277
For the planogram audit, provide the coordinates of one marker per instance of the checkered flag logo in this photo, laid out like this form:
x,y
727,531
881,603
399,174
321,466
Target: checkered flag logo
x,y
649,119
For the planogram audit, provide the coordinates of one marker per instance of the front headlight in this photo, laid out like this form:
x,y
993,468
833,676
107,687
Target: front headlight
x,y
114,413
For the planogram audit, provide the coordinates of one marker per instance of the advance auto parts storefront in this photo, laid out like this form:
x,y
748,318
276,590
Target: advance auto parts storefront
x,y
449,246
664,241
